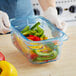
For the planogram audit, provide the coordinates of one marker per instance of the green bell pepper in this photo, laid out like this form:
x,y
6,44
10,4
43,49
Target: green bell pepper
x,y
43,54
25,29
54,55
37,24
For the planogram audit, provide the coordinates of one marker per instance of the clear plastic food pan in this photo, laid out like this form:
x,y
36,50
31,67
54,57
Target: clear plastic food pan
x,y
38,52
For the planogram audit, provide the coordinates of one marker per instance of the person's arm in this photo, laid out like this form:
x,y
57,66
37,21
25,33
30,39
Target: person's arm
x,y
4,23
45,4
50,12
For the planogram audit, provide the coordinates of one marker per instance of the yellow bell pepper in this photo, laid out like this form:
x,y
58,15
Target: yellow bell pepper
x,y
7,69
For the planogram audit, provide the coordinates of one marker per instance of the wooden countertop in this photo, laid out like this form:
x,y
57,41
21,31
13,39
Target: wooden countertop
x,y
65,66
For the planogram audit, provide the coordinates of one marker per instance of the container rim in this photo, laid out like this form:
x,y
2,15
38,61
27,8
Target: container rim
x,y
61,38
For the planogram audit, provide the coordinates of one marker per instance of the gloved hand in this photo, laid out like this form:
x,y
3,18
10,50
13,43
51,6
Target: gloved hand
x,y
51,15
4,23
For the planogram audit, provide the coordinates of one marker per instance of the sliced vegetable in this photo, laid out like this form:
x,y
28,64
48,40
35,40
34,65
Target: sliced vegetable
x,y
39,29
36,32
39,53
45,38
40,32
33,55
30,38
34,38
42,37
37,24
27,32
37,38
33,32
51,45
25,29
54,55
